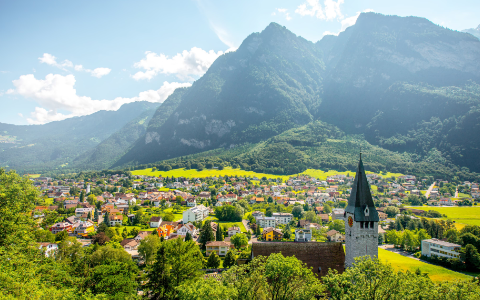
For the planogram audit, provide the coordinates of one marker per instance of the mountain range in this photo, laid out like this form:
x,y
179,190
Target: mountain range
x,y
403,88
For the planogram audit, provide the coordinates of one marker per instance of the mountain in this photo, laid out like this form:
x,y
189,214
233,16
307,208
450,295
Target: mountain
x,y
58,144
404,84
473,31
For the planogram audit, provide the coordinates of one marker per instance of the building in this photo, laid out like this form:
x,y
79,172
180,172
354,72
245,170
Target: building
x,y
361,220
191,203
187,228
233,231
335,236
440,248
61,226
319,256
338,214
48,248
220,247
155,222
84,211
282,218
266,222
116,219
129,244
84,228
195,214
271,234
303,235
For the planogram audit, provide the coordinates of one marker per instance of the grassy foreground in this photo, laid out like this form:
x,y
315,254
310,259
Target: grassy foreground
x,y
465,215
402,263
193,173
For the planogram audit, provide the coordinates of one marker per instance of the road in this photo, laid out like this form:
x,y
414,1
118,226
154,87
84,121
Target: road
x,y
429,190
456,192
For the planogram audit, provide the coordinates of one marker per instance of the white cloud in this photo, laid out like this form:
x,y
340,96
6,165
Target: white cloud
x,y
330,33
20,115
285,12
313,8
57,92
52,60
184,65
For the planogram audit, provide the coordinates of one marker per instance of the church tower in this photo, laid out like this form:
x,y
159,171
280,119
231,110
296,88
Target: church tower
x,y
361,220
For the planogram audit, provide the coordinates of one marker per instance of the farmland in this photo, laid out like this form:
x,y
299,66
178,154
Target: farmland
x,y
466,215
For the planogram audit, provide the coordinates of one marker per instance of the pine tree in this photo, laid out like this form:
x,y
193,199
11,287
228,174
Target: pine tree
x,y
207,234
95,215
230,259
188,237
213,261
82,196
106,218
160,282
219,233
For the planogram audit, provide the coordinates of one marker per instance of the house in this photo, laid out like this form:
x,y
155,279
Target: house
x,y
282,218
191,203
440,248
272,234
165,231
141,235
257,213
48,248
325,218
197,213
79,212
266,222
233,230
231,197
116,219
183,229
84,228
220,247
129,244
338,214
303,235
319,257
335,236
446,201
303,224
155,222
382,216
61,226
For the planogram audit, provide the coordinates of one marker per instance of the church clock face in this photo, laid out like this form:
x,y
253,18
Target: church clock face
x,y
350,221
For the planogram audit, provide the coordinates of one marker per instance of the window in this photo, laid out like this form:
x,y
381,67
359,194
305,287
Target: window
x,y
361,224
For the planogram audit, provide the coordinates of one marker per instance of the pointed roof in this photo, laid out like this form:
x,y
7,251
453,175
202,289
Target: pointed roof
x,y
361,198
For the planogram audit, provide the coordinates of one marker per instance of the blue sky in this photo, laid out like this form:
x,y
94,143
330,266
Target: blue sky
x,y
62,59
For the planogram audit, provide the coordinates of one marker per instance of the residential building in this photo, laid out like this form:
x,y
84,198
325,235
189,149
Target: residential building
x,y
61,226
191,203
282,218
155,222
48,248
84,211
233,230
84,228
266,222
440,248
335,236
338,214
303,235
129,244
184,228
272,234
220,247
116,219
197,213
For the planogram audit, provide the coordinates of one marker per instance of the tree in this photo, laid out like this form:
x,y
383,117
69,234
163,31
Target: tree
x,y
148,247
117,280
213,261
82,196
219,233
337,225
230,259
288,278
287,232
100,238
472,258
92,199
297,212
269,212
177,263
392,211
61,236
125,233
106,219
239,240
188,237
206,235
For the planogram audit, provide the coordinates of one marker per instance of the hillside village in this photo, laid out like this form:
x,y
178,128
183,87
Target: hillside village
x,y
241,211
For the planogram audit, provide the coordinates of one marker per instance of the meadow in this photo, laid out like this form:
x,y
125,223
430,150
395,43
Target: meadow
x,y
193,173
402,263
460,214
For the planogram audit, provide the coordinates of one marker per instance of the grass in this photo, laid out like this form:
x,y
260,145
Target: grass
x,y
462,195
465,214
178,216
227,224
402,263
193,173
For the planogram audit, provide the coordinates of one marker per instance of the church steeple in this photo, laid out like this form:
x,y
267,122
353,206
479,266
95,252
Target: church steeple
x,y
360,203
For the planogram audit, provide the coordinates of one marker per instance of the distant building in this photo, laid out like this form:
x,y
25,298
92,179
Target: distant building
x,y
194,214
155,222
303,235
266,222
282,218
220,247
440,248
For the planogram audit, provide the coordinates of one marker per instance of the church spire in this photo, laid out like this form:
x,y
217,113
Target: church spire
x,y
360,203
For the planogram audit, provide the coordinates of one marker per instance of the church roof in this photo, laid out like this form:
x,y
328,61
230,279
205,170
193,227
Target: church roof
x,y
319,256
360,203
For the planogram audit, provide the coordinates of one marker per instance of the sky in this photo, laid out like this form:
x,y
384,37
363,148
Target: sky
x,y
61,59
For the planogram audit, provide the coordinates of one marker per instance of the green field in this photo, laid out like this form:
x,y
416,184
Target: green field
x,y
436,273
465,214
228,224
193,173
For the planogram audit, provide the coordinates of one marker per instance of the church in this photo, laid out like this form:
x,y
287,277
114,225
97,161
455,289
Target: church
x,y
361,220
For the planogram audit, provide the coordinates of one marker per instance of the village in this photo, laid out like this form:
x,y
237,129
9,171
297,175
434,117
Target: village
x,y
244,213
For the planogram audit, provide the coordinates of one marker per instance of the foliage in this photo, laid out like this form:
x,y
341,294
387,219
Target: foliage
x,y
148,247
229,213
230,259
213,261
239,240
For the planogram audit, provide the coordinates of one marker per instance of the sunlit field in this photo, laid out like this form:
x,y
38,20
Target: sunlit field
x,y
465,214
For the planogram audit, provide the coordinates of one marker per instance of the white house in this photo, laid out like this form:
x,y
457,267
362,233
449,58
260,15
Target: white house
x,y
48,248
155,222
183,229
81,211
233,231
282,218
192,203
440,248
303,235
197,213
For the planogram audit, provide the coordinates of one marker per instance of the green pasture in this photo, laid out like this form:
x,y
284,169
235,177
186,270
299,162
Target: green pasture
x,y
460,214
